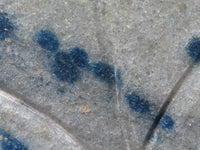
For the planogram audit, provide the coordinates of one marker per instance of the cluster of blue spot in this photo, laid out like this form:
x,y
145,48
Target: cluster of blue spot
x,y
10,143
142,106
64,68
104,72
138,104
67,65
79,57
6,27
47,40
193,48
166,122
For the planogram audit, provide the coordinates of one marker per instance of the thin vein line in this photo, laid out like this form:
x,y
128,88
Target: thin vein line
x,y
166,103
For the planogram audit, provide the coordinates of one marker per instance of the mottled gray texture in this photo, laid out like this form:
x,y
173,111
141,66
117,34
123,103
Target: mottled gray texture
x,y
144,39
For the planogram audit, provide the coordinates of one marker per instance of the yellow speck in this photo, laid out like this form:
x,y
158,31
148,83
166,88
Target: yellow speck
x,y
85,1
88,36
8,40
185,30
163,42
69,103
85,109
1,137
26,7
44,128
110,18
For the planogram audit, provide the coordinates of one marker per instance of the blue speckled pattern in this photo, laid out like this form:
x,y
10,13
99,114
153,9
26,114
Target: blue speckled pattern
x,y
108,72
64,68
10,143
166,122
193,49
79,57
143,107
138,104
6,27
47,40
104,72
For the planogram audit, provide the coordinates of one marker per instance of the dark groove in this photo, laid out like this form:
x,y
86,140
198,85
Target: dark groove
x,y
166,103
41,110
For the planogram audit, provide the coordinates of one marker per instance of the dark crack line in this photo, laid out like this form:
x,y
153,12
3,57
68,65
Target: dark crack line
x,y
166,103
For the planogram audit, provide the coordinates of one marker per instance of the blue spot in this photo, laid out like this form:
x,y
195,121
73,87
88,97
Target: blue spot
x,y
64,68
6,27
47,40
10,143
166,122
138,104
79,57
104,72
193,48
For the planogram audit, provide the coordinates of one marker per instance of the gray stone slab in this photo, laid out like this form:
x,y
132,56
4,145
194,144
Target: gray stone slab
x,y
145,40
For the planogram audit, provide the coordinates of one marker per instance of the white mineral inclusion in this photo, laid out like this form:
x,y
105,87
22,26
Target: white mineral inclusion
x,y
33,128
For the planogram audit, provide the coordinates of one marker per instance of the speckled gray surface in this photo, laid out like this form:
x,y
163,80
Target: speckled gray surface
x,y
145,40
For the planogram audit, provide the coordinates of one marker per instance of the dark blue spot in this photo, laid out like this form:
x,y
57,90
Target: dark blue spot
x,y
166,122
138,104
64,68
193,48
6,27
47,40
10,143
79,57
104,72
